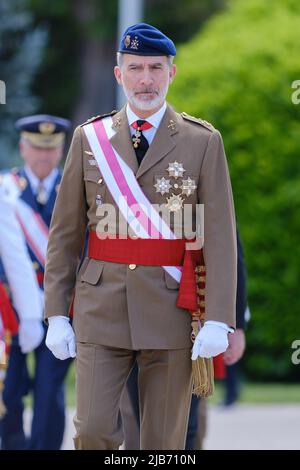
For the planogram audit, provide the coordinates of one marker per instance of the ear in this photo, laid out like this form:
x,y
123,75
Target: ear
x,y
118,74
21,148
172,73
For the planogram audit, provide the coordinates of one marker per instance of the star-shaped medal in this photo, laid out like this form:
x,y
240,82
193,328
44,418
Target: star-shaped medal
x,y
162,185
188,186
174,203
176,170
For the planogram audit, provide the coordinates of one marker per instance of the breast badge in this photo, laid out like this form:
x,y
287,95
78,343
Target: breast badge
x,y
174,203
162,185
177,190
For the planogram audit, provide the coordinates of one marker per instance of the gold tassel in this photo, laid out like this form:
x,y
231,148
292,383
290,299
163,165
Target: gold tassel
x,y
202,369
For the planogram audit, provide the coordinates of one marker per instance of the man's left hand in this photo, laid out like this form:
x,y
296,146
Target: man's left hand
x,y
210,341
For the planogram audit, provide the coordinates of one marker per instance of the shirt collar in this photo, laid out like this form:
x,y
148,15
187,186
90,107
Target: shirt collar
x,y
47,182
154,119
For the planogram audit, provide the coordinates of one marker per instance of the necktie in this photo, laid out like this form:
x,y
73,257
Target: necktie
x,y
140,143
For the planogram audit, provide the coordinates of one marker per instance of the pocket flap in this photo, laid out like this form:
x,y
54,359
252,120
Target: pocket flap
x,y
92,272
93,175
171,283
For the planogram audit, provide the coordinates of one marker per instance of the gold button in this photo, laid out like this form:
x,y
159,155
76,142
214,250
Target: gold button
x,y
35,265
100,181
132,266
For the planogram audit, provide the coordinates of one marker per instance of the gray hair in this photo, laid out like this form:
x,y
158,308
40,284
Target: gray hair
x,y
120,57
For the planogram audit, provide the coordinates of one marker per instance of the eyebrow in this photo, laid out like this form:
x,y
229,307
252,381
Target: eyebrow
x,y
141,65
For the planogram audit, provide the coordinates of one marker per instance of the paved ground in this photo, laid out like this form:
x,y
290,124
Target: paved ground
x,y
241,427
254,427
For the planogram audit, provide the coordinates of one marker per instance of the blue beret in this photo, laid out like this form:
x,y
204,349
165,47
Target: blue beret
x,y
144,39
43,130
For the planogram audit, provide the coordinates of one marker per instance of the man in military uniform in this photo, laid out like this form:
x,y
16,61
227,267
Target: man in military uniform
x,y
130,291
24,288
32,191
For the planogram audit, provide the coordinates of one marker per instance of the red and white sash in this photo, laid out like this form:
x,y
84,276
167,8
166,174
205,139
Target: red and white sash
x,y
35,230
137,210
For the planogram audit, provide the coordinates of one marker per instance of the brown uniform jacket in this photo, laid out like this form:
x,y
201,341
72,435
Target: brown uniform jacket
x,y
136,308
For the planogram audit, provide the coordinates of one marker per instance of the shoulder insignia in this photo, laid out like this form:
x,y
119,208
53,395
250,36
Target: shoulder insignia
x,y
202,122
100,116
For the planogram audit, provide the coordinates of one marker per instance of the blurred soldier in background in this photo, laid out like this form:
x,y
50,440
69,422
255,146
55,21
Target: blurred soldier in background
x,y
32,191
24,288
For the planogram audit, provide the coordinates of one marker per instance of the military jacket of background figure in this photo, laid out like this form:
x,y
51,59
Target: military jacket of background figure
x,y
136,308
26,194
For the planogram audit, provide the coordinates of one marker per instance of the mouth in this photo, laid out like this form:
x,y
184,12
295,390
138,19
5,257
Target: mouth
x,y
148,94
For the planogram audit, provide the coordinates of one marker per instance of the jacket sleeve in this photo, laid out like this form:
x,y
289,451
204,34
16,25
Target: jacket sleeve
x,y
241,295
67,234
220,246
26,294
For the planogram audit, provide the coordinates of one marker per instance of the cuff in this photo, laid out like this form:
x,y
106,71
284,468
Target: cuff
x,y
221,324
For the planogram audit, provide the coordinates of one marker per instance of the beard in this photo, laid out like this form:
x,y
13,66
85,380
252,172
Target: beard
x,y
144,103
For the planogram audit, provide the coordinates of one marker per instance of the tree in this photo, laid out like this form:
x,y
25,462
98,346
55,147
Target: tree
x,y
21,48
238,74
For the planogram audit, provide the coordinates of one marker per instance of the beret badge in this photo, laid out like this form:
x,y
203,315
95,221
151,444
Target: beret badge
x,y
127,41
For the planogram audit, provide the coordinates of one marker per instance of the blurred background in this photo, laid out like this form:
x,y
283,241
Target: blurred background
x,y
237,63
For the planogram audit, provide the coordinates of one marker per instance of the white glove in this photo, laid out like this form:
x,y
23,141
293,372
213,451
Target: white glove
x,y
60,337
31,333
211,340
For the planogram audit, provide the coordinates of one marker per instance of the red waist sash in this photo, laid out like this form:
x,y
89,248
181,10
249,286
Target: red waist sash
x,y
153,252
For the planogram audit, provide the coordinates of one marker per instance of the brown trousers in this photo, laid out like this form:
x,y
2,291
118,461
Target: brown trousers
x,y
164,389
132,432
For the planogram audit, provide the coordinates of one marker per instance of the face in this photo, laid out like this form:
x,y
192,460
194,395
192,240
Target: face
x,y
145,81
41,160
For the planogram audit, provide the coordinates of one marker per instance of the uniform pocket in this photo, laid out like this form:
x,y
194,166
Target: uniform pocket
x,y
92,271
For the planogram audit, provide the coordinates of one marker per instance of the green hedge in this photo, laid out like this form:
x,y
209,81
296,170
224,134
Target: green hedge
x,y
237,73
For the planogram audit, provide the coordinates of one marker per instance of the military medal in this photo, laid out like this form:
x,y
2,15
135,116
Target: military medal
x,y
174,203
188,186
162,185
176,170
136,139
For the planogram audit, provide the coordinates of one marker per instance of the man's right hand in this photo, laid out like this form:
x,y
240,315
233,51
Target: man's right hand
x,y
60,338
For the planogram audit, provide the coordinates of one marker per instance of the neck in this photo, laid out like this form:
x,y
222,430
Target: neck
x,y
144,114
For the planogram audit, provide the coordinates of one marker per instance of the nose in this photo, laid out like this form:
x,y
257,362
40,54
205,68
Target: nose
x,y
146,78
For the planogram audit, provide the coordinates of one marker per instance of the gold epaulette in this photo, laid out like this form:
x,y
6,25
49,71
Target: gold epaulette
x,y
202,122
100,116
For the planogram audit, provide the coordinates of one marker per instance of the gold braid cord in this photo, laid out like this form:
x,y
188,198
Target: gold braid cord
x,y
202,368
